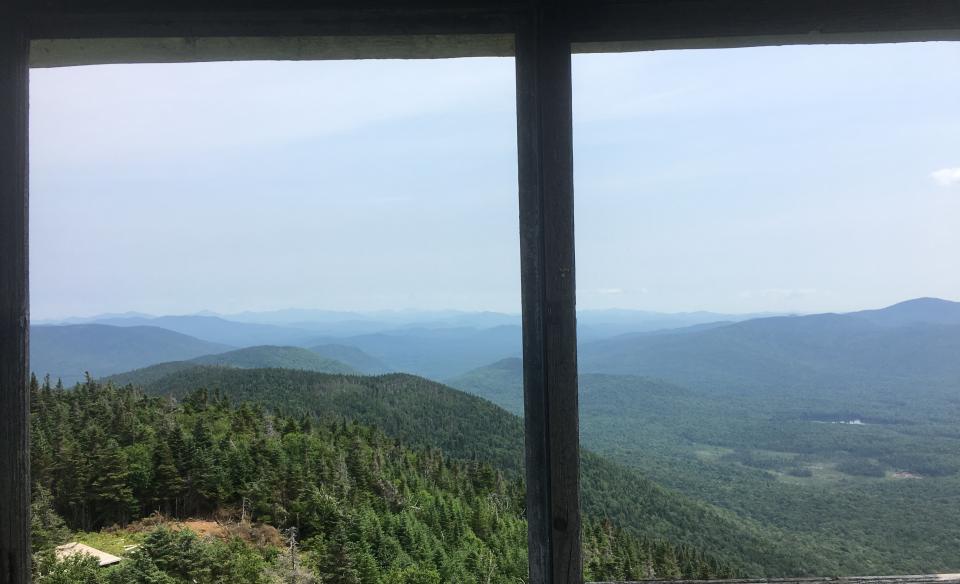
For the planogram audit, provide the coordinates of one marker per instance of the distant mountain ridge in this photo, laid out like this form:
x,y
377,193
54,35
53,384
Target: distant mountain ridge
x,y
683,346
437,353
218,330
913,339
916,311
916,339
352,356
68,352
261,357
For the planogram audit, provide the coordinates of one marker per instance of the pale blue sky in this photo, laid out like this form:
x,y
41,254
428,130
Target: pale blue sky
x,y
793,178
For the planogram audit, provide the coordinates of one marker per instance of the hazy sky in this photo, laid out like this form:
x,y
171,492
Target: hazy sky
x,y
795,178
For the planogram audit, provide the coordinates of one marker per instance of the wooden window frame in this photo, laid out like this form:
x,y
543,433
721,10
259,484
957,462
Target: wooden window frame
x,y
543,34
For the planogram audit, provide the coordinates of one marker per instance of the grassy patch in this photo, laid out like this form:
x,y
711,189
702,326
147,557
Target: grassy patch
x,y
110,542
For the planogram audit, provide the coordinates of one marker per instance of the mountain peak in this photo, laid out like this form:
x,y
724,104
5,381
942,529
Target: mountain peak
x,y
925,310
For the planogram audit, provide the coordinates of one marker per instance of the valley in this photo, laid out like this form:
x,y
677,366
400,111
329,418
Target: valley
x,y
772,446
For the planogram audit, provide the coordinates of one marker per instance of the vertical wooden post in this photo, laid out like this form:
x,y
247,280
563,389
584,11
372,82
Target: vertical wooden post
x,y
545,146
14,316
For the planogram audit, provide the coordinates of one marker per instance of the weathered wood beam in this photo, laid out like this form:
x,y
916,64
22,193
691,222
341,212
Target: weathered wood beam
x,y
214,18
592,21
14,317
764,21
71,52
545,146
110,31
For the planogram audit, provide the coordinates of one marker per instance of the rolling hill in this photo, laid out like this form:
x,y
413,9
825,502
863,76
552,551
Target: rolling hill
x,y
249,358
67,352
816,354
427,414
916,311
764,428
218,330
353,357
436,353
434,344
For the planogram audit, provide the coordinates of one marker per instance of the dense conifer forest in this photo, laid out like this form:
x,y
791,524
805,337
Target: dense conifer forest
x,y
426,414
344,502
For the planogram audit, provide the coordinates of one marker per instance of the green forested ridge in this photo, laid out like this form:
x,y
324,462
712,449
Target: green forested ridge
x,y
273,356
785,460
418,411
265,356
366,508
352,356
430,415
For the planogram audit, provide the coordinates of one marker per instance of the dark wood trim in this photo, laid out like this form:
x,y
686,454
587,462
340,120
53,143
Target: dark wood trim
x,y
211,19
14,316
545,147
811,21
591,21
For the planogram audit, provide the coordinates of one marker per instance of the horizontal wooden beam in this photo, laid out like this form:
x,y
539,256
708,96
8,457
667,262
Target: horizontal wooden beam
x,y
721,22
592,21
79,32
215,18
71,52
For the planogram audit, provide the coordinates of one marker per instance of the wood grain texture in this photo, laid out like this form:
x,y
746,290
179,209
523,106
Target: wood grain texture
x,y
212,18
72,52
591,21
545,146
813,21
14,317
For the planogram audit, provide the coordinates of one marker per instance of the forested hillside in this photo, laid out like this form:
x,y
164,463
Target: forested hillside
x,y
366,508
881,494
352,356
430,415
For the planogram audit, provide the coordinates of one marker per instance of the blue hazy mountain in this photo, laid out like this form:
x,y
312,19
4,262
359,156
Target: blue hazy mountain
x,y
67,352
695,349
437,353
262,357
352,356
916,311
218,330
917,340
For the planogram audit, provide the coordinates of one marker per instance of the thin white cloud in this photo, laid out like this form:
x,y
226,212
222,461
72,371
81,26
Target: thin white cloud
x,y
609,291
947,177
